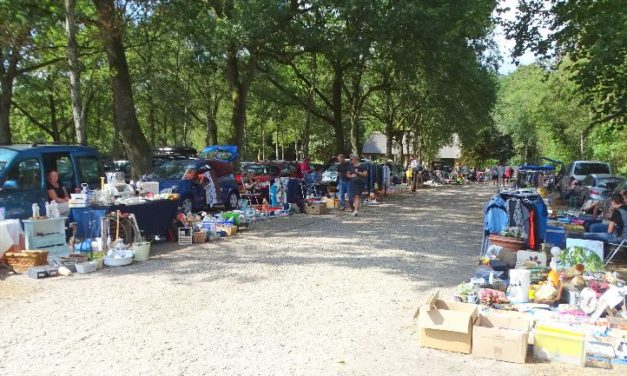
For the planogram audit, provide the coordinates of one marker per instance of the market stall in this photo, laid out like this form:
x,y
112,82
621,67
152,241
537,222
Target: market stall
x,y
552,292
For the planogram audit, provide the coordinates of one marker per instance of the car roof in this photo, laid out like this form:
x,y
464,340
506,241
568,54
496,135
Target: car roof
x,y
589,162
47,148
605,176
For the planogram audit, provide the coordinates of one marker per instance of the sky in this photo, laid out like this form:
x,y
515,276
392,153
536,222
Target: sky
x,y
505,46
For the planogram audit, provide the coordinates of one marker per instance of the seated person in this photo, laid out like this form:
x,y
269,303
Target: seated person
x,y
56,192
616,227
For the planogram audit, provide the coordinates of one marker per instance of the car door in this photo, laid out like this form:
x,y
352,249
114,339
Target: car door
x,y
62,163
23,186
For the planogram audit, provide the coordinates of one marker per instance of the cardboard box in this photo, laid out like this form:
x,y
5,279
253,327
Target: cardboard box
x,y
333,203
446,325
230,230
315,209
501,338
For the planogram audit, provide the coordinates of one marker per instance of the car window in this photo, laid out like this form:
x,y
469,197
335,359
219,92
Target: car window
x,y
255,169
6,156
586,168
89,170
25,176
171,170
273,170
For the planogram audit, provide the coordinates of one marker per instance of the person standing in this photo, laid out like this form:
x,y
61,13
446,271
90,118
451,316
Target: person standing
x,y
501,175
358,174
494,172
343,181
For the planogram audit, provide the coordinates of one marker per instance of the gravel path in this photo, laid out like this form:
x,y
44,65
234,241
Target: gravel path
x,y
304,295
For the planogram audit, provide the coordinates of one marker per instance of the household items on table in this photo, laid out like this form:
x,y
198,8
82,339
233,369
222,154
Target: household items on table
x,y
560,300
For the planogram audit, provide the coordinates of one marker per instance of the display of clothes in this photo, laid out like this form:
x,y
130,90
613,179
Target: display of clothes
x,y
278,191
530,178
519,208
211,195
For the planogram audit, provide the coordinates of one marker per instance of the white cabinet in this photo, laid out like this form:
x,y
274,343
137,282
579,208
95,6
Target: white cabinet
x,y
46,235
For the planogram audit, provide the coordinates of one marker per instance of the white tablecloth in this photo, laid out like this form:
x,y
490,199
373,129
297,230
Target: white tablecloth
x,y
10,230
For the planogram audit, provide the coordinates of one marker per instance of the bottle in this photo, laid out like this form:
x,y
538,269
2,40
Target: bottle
x,y
48,214
265,207
35,211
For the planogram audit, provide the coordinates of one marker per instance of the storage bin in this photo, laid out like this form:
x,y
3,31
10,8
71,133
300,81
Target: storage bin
x,y
559,343
86,267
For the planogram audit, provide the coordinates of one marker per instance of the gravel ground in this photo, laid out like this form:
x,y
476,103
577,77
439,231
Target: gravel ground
x,y
304,295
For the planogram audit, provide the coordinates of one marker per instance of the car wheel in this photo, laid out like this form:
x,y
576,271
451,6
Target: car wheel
x,y
233,201
187,205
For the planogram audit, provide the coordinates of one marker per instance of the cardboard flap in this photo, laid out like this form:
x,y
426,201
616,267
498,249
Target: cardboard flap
x,y
428,304
440,319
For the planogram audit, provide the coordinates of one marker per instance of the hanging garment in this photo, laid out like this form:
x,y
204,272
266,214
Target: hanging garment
x,y
211,195
495,215
532,233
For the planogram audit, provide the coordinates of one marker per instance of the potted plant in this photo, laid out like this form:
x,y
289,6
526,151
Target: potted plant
x,y
511,239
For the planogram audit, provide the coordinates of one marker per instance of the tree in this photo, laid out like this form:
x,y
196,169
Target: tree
x,y
591,33
111,28
78,111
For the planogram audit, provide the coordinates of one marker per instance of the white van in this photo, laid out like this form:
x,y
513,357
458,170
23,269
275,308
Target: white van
x,y
579,170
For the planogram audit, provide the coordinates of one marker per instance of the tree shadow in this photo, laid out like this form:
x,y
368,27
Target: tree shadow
x,y
428,236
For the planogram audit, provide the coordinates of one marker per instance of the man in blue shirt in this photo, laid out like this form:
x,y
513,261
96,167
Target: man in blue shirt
x,y
343,181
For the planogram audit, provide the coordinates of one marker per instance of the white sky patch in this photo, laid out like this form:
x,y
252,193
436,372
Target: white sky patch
x,y
505,45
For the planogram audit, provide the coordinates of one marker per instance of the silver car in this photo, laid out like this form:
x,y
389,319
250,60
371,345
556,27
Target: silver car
x,y
330,175
599,186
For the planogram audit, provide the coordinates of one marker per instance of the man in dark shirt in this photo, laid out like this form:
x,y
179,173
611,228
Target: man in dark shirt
x,y
616,228
343,181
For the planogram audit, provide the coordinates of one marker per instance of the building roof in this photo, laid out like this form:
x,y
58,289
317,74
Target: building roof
x,y
376,144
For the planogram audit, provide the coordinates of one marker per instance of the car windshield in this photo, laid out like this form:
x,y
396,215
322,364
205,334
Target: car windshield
x,y
255,169
5,157
171,170
591,168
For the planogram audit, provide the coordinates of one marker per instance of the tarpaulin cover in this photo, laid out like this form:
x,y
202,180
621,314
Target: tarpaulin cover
x,y
537,168
226,153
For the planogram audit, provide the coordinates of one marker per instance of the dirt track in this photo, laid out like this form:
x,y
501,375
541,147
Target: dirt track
x,y
304,295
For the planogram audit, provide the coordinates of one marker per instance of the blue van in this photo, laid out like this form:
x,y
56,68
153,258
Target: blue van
x,y
23,170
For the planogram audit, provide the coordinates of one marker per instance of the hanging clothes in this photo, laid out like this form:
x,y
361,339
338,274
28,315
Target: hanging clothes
x,y
211,195
532,228
495,215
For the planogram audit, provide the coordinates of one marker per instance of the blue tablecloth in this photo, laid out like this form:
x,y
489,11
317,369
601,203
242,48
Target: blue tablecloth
x,y
153,217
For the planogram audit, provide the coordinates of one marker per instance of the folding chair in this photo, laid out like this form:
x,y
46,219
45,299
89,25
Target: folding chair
x,y
617,248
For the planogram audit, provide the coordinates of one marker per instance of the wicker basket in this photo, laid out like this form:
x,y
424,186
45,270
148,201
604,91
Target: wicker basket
x,y
555,301
24,260
200,236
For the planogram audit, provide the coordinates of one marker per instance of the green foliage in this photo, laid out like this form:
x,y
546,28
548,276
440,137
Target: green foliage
x,y
591,33
540,109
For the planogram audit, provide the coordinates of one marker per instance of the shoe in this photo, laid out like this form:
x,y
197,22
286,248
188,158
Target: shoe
x,y
355,214
342,208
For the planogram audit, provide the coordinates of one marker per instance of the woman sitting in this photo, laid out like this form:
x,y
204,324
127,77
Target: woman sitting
x,y
56,192
616,227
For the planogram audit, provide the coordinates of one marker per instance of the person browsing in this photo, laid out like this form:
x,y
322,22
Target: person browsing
x,y
358,174
343,181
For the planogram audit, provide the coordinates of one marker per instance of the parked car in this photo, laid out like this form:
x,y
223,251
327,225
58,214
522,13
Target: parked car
x,y
23,170
183,177
579,170
599,186
329,177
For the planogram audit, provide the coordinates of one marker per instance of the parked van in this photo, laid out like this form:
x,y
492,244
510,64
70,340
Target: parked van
x,y
579,170
23,171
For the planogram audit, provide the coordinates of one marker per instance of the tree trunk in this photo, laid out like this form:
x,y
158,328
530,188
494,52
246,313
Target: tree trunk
x,y
5,109
212,120
75,73
239,84
338,76
137,148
